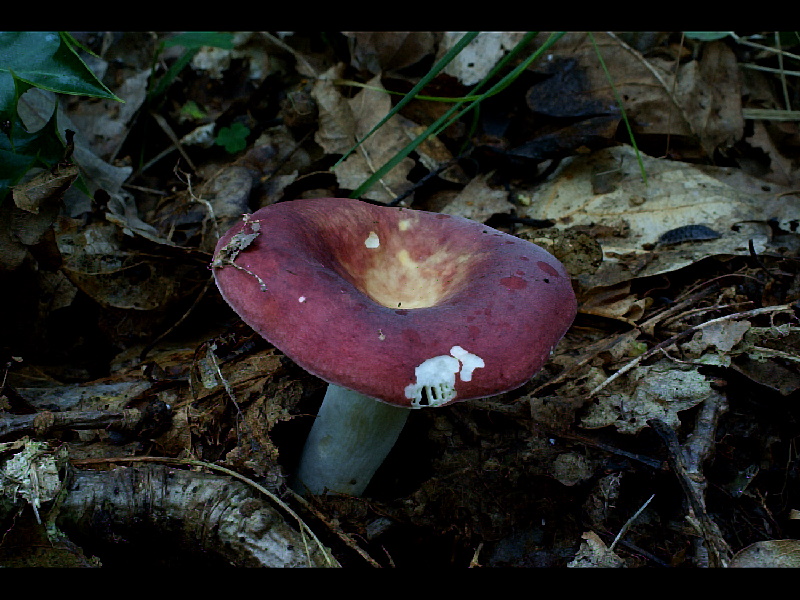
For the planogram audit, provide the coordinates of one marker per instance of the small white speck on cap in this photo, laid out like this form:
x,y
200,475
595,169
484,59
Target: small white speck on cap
x,y
301,299
372,240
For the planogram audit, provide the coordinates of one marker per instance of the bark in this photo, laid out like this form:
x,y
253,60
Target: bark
x,y
151,507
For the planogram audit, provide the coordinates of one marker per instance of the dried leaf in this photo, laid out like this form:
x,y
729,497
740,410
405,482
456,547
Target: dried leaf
x,y
725,335
614,302
433,153
336,123
480,56
699,99
635,215
96,263
657,391
368,107
378,51
594,553
478,201
48,185
769,553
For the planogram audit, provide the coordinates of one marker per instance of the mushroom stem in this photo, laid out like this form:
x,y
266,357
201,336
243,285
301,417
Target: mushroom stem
x,y
349,440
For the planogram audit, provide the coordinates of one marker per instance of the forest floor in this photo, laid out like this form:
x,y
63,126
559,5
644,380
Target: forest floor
x,y
662,432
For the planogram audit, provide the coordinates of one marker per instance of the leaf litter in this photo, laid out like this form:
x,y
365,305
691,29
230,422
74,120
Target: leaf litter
x,y
677,382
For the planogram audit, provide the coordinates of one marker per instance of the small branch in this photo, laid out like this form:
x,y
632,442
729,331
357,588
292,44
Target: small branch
x,y
42,423
211,513
629,522
162,122
686,464
180,462
683,334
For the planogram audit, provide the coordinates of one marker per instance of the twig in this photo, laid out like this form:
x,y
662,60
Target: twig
x,y
606,345
694,328
693,485
46,421
629,522
747,42
348,541
700,442
645,460
162,122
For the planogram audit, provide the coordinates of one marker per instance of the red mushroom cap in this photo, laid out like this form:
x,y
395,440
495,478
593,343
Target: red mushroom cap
x,y
410,307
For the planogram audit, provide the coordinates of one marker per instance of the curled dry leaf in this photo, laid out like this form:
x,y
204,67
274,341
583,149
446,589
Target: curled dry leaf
x,y
769,553
658,391
695,99
46,186
614,302
367,108
634,215
594,553
379,51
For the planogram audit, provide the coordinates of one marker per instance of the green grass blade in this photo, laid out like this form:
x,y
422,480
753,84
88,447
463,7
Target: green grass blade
x,y
452,114
621,108
375,88
445,60
508,79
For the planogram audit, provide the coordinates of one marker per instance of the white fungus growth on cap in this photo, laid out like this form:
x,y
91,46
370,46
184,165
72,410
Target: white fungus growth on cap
x,y
436,377
469,362
372,240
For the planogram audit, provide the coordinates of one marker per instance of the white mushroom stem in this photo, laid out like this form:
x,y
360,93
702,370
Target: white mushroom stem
x,y
349,440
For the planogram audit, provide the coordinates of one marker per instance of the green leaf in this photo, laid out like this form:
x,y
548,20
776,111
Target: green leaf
x,y
190,110
39,58
43,147
10,92
233,138
12,167
47,60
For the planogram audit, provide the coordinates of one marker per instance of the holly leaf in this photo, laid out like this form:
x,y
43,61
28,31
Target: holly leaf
x,y
43,59
47,60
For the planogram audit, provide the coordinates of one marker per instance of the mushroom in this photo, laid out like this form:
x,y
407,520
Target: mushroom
x,y
396,309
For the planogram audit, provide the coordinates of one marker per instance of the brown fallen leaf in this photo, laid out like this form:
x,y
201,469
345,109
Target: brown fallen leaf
x,y
367,108
335,130
769,553
478,201
378,51
700,99
30,196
